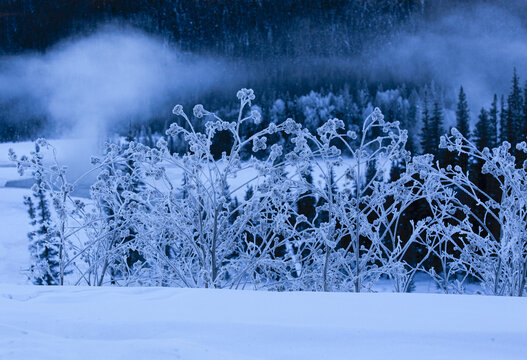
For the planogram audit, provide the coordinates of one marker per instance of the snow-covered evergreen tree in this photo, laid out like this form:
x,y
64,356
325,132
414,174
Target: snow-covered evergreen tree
x,y
43,242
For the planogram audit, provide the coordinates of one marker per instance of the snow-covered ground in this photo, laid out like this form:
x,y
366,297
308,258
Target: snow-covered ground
x,y
14,226
167,323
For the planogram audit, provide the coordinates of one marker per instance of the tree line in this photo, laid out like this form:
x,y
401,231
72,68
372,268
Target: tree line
x,y
253,28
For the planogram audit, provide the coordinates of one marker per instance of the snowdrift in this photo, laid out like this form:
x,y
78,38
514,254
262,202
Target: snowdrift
x,y
170,323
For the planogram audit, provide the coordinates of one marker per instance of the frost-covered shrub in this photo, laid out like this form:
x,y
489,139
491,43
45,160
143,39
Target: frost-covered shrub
x,y
353,238
286,207
497,256
117,196
201,233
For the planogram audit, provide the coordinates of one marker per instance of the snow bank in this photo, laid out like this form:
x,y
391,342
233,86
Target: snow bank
x,y
169,323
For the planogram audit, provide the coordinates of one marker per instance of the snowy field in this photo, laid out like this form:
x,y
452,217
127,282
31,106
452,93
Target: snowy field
x,y
167,323
14,256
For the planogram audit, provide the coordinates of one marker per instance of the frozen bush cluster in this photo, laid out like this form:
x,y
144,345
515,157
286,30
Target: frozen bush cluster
x,y
320,210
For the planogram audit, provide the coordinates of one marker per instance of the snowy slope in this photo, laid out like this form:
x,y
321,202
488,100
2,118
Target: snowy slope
x,y
168,323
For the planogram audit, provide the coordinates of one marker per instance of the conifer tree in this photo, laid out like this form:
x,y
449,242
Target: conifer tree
x,y
504,131
409,124
426,146
463,126
515,122
492,131
483,129
43,243
462,114
482,140
485,137
436,129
